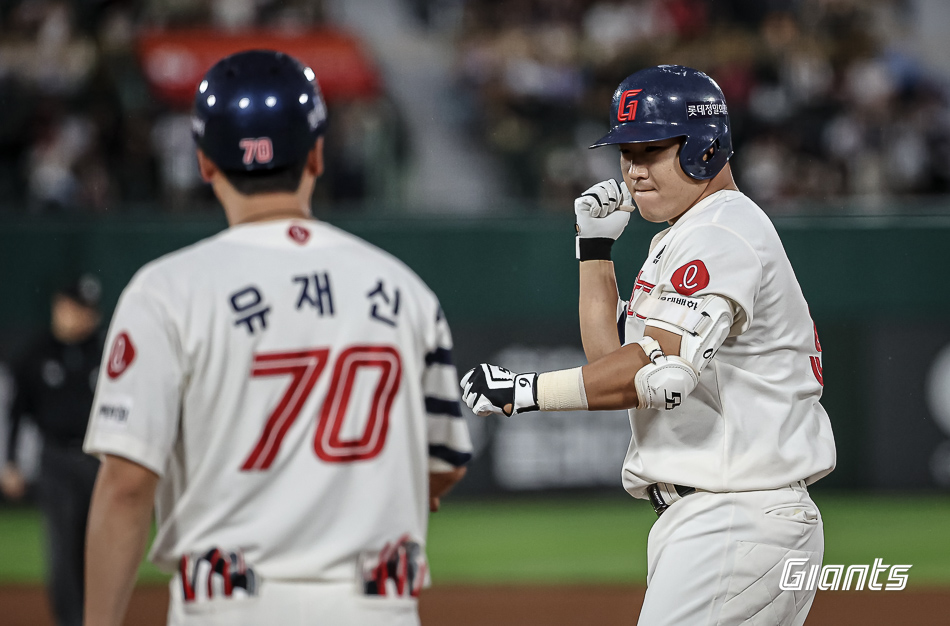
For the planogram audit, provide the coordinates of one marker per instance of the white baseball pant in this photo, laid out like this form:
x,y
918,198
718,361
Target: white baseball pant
x,y
294,604
717,559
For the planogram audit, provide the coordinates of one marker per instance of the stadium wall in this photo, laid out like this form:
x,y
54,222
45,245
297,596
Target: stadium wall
x,y
876,287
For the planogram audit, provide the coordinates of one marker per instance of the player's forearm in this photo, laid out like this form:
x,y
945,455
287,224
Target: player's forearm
x,y
597,309
119,519
609,381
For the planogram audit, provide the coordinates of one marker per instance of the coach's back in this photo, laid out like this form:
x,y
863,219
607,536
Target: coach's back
x,y
275,376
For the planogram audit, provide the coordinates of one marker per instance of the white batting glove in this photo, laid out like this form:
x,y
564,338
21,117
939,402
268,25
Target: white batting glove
x,y
489,389
604,198
598,220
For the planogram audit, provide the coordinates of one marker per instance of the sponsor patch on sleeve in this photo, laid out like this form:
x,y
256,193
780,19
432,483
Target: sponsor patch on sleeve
x,y
122,355
113,411
688,302
690,278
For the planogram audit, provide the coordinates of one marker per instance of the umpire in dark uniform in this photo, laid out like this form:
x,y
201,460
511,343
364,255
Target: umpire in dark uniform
x,y
55,383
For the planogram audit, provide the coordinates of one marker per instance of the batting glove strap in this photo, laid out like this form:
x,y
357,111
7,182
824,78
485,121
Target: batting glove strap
x,y
526,393
593,249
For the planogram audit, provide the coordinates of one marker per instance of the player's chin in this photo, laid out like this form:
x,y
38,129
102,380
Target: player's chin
x,y
650,206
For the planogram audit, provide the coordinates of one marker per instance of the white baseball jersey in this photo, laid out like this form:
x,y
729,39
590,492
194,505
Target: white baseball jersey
x,y
292,386
754,421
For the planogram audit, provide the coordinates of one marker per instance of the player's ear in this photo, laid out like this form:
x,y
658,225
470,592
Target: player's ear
x,y
315,158
206,166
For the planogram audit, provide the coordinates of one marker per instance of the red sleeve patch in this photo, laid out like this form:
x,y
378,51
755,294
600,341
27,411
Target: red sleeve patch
x,y
122,355
690,278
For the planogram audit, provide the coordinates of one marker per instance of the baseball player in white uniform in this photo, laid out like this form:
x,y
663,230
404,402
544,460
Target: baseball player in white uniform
x,y
283,392
715,354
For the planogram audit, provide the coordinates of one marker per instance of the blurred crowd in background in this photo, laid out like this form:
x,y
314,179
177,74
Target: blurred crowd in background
x,y
81,129
822,105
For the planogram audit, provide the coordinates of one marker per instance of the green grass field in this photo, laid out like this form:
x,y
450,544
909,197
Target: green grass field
x,y
592,540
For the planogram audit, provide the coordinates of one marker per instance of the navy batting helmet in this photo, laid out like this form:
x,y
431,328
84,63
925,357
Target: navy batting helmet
x,y
673,101
258,110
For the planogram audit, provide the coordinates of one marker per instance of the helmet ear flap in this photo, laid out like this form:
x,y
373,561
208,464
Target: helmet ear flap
x,y
713,149
704,159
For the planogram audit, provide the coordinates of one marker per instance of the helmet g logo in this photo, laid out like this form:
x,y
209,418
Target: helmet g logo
x,y
627,110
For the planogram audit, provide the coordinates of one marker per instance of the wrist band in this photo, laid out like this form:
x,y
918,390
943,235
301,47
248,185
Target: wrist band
x,y
562,390
525,393
593,248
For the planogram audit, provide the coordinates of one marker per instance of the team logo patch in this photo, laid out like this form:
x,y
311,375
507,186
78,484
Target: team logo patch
x,y
122,355
299,234
627,109
690,278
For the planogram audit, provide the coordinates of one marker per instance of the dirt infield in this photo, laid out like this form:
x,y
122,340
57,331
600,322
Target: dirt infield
x,y
544,606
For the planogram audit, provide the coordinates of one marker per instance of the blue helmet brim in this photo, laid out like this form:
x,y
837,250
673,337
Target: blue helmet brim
x,y
640,133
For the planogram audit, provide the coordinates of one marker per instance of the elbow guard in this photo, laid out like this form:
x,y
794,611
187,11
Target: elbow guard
x,y
703,323
665,381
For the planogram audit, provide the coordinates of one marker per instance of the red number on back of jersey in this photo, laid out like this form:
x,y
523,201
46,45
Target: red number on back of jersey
x,y
328,443
304,368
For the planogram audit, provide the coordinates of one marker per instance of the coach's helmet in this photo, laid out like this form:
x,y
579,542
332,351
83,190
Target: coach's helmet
x,y
258,110
673,101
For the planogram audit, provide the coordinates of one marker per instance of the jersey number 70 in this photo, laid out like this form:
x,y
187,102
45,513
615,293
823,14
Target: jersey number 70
x,y
304,368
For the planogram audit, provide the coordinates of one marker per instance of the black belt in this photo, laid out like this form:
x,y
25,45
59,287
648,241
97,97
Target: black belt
x,y
662,495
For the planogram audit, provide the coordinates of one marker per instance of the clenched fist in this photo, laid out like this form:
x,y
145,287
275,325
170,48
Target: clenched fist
x,y
488,389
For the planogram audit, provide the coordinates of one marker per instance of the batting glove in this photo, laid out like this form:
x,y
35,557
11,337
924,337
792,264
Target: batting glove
x,y
488,389
604,198
598,221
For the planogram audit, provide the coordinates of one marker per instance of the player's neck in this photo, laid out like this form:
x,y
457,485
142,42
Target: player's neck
x,y
268,214
264,207
721,182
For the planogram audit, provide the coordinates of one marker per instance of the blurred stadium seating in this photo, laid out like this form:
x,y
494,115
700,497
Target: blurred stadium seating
x,y
826,101
89,123
823,101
